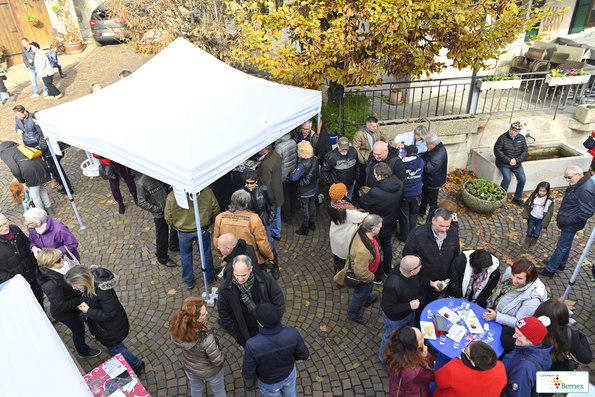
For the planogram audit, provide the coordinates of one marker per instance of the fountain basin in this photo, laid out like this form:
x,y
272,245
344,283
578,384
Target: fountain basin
x,y
546,162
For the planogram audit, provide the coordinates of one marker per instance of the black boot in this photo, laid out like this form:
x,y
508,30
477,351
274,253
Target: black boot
x,y
121,208
303,231
312,226
275,271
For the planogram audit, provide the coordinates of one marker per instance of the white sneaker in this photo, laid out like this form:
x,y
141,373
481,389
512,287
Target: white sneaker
x,y
34,96
45,93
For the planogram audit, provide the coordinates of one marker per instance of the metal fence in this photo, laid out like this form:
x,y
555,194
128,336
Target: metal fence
x,y
457,96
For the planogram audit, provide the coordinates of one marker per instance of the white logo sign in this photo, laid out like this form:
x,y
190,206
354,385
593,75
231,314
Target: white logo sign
x,y
562,382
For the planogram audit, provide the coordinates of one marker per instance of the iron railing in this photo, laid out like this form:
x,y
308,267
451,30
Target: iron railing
x,y
457,96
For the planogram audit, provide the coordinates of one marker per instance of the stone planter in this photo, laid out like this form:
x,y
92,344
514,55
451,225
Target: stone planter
x,y
499,85
555,81
75,47
453,125
392,128
478,205
584,114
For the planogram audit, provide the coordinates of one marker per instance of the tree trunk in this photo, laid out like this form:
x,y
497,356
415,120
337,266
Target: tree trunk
x,y
335,93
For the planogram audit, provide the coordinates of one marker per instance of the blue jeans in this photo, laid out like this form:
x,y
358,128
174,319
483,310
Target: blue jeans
x,y
520,177
350,192
130,358
560,255
269,230
185,241
390,326
534,227
361,296
77,326
286,387
33,75
276,225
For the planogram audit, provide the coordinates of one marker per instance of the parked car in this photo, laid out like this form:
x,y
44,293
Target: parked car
x,y
105,29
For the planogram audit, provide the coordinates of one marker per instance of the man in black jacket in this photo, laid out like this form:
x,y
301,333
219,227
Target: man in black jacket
x,y
382,153
400,297
152,196
510,151
270,356
340,166
240,293
383,200
577,207
436,244
230,246
16,257
434,176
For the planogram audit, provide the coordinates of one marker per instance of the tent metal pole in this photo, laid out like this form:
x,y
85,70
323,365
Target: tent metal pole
x,y
579,265
70,198
200,245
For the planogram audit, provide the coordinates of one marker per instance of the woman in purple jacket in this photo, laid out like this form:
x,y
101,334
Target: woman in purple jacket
x,y
47,232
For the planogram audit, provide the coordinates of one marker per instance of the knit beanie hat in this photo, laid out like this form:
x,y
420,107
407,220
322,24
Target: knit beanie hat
x,y
337,191
267,315
533,328
517,125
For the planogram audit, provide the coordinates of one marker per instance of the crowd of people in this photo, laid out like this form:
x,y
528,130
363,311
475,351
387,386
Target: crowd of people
x,y
377,191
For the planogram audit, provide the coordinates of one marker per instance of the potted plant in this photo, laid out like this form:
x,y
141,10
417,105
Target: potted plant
x,y
499,82
70,33
585,114
483,196
33,20
567,77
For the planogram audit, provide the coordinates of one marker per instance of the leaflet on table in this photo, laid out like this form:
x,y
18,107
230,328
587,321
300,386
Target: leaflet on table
x,y
449,315
427,327
456,332
473,324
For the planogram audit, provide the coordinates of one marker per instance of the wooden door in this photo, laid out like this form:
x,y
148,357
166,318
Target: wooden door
x,y
9,35
40,33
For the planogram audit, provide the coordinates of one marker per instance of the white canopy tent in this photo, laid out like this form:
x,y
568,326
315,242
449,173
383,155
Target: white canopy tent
x,y
184,118
34,362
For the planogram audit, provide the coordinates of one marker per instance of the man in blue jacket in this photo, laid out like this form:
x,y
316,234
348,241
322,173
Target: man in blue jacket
x,y
414,167
529,356
434,175
577,207
270,356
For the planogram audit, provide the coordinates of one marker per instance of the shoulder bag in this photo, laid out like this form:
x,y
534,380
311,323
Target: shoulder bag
x,y
572,364
107,171
351,279
589,143
30,152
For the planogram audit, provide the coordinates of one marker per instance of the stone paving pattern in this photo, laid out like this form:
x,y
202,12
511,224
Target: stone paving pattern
x,y
343,358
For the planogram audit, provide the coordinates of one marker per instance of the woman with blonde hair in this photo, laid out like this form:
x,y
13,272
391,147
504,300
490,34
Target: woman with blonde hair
x,y
306,175
105,314
203,357
64,300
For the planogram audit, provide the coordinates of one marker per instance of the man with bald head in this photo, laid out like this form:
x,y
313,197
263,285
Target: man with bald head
x,y
577,207
382,153
400,297
230,246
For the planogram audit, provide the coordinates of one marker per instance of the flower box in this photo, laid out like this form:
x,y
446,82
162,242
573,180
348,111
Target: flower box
x,y
569,80
499,84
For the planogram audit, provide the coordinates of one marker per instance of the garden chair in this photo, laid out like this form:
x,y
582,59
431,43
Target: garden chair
x,y
524,63
557,59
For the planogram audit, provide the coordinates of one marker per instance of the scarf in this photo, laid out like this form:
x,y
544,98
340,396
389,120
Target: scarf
x,y
8,237
342,205
246,292
475,284
42,228
502,289
63,269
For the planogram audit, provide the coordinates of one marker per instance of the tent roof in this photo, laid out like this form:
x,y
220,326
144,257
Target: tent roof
x,y
184,117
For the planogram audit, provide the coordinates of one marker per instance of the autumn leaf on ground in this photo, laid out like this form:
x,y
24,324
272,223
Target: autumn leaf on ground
x,y
171,291
511,218
323,328
147,228
355,365
153,282
512,235
319,378
548,289
153,262
307,303
151,368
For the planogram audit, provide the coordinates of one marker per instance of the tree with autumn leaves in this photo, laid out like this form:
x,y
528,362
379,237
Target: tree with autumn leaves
x,y
311,43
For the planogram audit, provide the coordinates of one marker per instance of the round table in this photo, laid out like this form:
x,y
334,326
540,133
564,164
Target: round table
x,y
446,352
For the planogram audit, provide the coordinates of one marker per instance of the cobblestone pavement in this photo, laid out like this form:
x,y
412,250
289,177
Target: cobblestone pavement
x,y
343,358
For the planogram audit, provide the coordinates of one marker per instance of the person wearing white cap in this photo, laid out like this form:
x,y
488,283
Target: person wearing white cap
x,y
529,356
510,151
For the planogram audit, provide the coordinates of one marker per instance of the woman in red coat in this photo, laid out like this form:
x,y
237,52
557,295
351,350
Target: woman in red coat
x,y
411,367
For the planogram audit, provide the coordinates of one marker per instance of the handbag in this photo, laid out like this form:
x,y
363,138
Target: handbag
x,y
351,279
30,152
589,143
107,171
573,365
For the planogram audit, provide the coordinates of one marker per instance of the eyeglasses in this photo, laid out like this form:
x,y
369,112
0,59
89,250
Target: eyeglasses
x,y
569,177
61,259
416,267
251,183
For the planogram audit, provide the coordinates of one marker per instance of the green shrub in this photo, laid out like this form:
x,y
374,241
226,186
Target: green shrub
x,y
354,110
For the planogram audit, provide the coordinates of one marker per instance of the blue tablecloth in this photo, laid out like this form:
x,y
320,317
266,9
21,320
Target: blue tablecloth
x,y
446,351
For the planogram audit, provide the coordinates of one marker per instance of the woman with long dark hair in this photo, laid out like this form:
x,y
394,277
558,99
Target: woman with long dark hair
x,y
203,357
105,314
45,71
411,367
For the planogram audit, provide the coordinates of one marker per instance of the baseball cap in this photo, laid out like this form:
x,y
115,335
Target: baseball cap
x,y
343,143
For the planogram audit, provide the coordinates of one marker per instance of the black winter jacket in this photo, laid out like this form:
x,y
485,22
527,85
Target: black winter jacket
x,y
64,300
457,275
263,203
32,134
151,195
435,263
32,172
384,200
398,292
506,149
309,180
578,205
393,160
16,258
320,143
229,304
340,169
579,348
241,248
435,166
106,314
